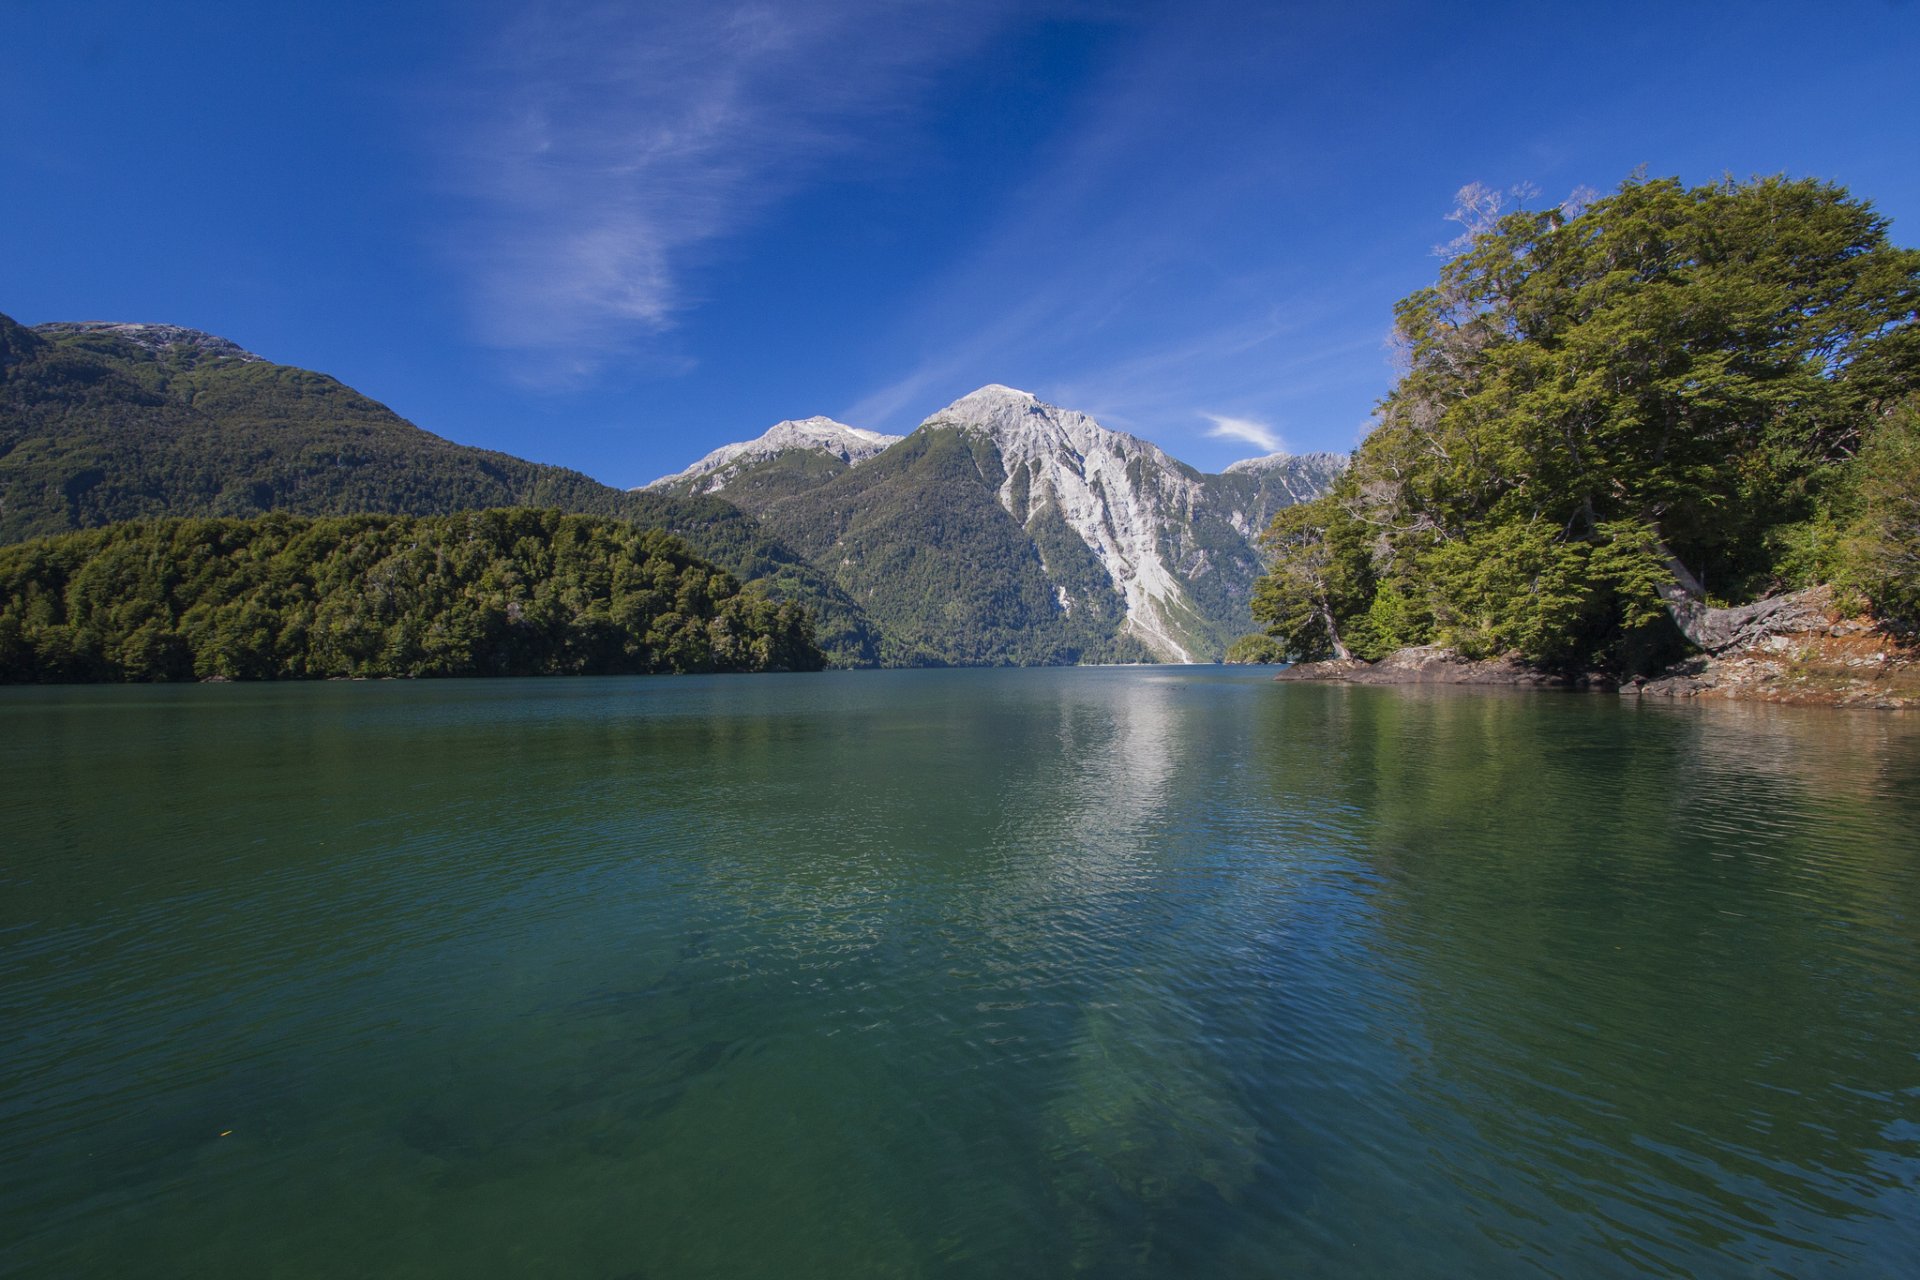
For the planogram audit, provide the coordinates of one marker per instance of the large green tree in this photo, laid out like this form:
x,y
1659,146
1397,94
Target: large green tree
x,y
1619,409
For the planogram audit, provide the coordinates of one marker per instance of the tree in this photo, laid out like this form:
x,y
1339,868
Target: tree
x,y
1311,583
1880,557
1610,407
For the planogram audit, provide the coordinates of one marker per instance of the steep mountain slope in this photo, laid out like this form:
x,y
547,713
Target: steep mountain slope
x,y
1108,545
1256,488
917,539
107,422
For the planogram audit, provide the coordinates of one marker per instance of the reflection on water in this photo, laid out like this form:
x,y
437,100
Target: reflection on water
x,y
1122,972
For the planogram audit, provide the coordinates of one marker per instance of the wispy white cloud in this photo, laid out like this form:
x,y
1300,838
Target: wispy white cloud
x,y
1124,276
601,146
1254,433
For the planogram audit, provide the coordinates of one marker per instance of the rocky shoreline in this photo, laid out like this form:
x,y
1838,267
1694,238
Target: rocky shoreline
x,y
1812,656
1432,664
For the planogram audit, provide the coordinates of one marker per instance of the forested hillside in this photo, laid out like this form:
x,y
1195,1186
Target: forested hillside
x,y
102,423
517,592
1617,420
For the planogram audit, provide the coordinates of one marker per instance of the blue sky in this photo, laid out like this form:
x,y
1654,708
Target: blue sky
x,y
613,236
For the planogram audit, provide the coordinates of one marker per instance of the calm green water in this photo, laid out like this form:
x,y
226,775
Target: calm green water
x,y
1149,972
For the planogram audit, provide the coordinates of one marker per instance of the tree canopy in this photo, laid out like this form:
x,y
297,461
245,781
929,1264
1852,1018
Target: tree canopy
x,y
1605,411
515,592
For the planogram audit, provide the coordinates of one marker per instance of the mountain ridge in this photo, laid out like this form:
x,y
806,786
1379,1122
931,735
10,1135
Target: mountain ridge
x,y
1002,529
1112,519
102,422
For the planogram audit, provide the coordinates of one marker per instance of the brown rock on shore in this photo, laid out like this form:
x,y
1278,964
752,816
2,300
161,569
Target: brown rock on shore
x,y
1824,659
1432,664
1808,655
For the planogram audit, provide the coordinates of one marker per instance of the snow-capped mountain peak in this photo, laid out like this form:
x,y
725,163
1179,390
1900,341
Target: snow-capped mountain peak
x,y
1279,461
1131,544
852,445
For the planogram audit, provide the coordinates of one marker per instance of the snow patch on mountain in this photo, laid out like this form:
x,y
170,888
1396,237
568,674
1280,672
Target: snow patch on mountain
x,y
852,445
1289,462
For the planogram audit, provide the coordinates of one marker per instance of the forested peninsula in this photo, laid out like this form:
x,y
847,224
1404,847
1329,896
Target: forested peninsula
x,y
502,592
1625,433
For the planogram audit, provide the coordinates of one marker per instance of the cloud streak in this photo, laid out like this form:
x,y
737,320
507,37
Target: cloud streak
x,y
1254,433
603,147
1145,265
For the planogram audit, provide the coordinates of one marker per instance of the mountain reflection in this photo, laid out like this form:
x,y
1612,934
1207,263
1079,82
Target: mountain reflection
x,y
1159,972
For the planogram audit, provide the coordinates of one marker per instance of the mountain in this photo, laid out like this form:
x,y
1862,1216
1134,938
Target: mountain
x,y
103,422
834,441
1004,528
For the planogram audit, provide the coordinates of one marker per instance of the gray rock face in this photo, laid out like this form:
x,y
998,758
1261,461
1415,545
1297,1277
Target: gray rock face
x,y
1718,630
1118,493
156,337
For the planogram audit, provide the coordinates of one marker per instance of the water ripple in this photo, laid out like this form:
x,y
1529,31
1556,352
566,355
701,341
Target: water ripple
x,y
1089,972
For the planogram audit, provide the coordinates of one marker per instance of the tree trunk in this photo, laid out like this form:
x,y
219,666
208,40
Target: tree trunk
x,y
1333,633
1717,630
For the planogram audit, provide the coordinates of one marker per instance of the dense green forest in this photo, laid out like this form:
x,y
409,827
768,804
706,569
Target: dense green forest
x,y
1613,418
104,424
515,592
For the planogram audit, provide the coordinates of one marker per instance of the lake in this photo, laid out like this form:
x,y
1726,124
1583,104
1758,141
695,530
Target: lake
x,y
1110,972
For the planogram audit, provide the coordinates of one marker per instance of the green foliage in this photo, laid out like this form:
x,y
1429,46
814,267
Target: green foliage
x,y
1664,390
1256,648
1509,588
1879,556
1317,580
96,429
504,592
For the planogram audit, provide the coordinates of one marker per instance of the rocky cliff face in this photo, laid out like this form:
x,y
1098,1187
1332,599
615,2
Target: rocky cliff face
x,y
1125,499
1179,547
1249,492
153,337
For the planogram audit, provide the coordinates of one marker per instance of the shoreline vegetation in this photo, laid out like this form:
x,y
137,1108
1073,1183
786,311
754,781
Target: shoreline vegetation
x,y
1666,441
1816,657
512,592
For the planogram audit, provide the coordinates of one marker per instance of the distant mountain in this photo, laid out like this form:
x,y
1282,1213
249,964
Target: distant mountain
x,y
1007,529
837,441
102,422
1002,530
